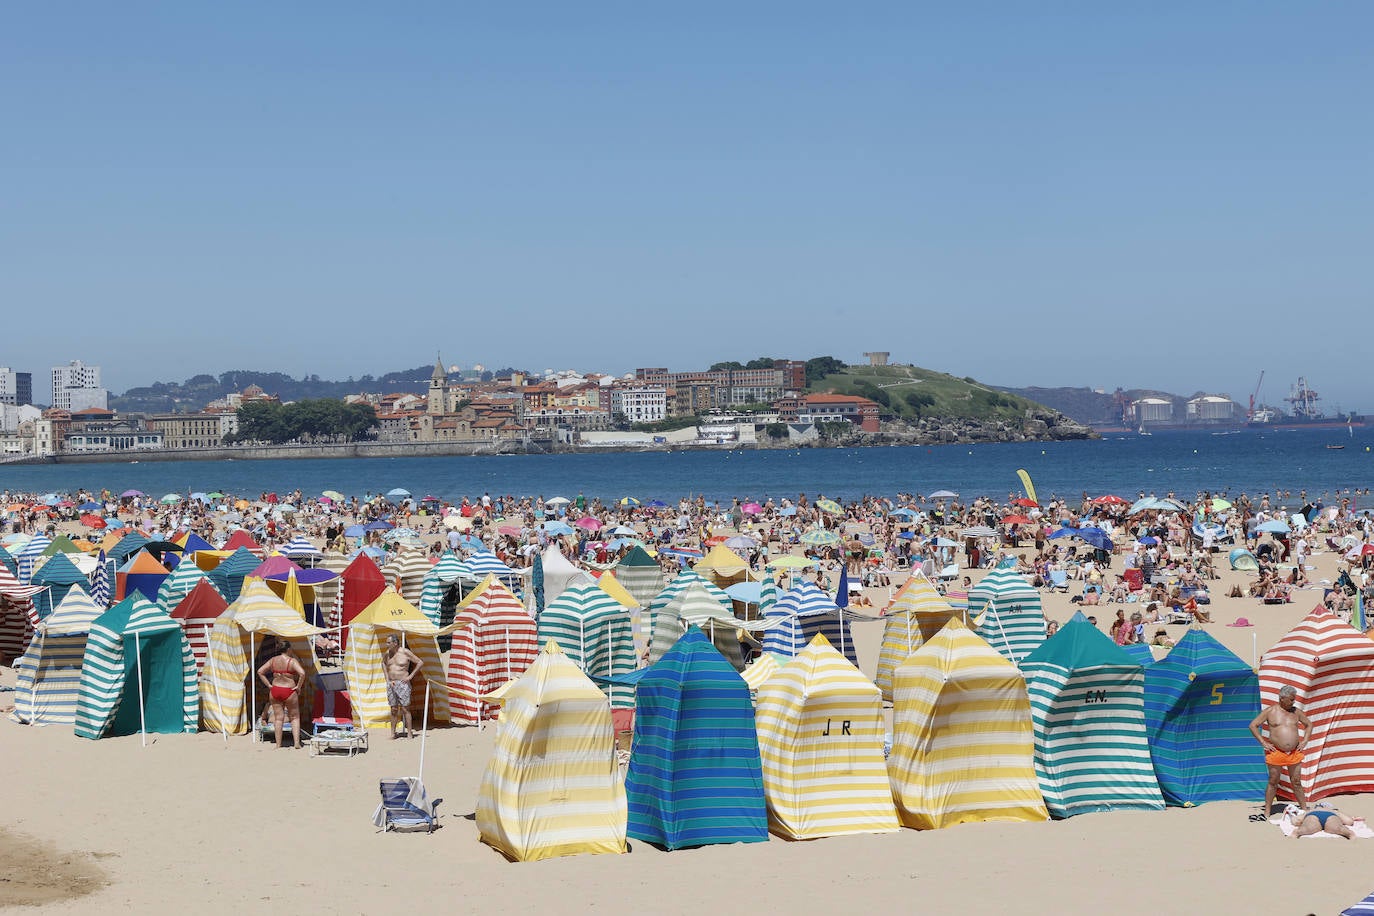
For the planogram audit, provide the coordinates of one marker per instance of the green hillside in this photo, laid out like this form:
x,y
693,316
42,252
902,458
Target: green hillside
x,y
910,392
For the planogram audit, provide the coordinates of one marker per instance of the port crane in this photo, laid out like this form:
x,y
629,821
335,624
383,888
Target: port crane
x,y
1255,394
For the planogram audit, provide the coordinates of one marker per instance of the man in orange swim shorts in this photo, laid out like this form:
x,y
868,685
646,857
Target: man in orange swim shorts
x,y
1289,729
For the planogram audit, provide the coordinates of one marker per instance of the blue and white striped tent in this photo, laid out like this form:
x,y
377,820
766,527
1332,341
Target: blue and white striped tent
x,y
102,580
695,775
1140,652
58,575
136,652
27,558
1364,908
1087,706
1006,612
485,563
1199,701
178,584
49,672
299,547
800,615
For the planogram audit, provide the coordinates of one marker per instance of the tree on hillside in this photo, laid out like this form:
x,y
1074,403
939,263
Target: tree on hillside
x,y
729,364
819,367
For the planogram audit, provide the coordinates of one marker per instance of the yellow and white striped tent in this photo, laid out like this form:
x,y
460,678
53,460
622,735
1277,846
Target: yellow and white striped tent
x,y
916,613
234,640
821,729
392,615
722,567
551,786
49,672
963,748
761,669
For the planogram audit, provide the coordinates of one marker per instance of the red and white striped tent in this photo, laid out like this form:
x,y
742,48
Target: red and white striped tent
x,y
495,642
17,616
1331,666
196,613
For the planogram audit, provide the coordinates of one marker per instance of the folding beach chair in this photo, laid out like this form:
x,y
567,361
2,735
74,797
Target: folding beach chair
x,y
406,806
1059,580
332,727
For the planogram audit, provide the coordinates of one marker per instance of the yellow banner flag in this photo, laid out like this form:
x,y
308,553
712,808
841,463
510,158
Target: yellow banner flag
x,y
1026,482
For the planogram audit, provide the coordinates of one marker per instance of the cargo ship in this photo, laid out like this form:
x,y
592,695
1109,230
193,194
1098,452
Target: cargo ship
x,y
1305,414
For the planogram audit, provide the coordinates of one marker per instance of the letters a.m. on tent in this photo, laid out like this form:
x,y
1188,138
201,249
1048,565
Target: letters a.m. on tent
x,y
821,728
392,615
49,673
1087,703
552,786
136,653
1331,666
1006,612
695,776
963,742
495,641
228,705
915,614
1199,701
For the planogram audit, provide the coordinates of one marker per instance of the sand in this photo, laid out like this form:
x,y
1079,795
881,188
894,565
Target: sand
x,y
193,821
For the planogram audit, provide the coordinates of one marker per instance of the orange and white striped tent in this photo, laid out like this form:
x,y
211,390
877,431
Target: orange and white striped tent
x,y
1331,666
494,641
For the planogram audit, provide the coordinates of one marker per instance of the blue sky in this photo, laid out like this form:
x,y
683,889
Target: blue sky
x,y
1173,195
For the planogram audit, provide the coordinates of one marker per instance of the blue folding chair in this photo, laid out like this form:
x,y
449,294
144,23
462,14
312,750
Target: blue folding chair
x,y
405,806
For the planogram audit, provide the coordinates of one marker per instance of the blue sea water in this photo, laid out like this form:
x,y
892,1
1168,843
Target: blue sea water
x,y
1184,463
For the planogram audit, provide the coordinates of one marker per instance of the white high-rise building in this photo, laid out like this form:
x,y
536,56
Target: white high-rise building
x,y
15,387
76,386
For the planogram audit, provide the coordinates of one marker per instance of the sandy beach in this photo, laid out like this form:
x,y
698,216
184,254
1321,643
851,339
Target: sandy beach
x,y
195,821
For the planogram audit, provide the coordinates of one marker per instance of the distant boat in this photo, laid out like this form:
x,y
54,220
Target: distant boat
x,y
1335,446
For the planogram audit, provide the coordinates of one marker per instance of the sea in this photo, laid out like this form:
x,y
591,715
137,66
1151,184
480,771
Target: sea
x,y
1184,463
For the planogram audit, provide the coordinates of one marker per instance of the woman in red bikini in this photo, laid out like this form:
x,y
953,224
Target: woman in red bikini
x,y
283,677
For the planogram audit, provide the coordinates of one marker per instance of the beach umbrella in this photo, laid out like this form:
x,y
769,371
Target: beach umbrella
x,y
169,499
751,508
1149,540
741,542
396,534
624,531
1218,504
791,562
557,501
298,546
747,592
942,494
629,501
589,523
829,506
1109,500
787,511
400,492
90,507
354,531
904,512
656,504
334,495
558,529
378,525
819,538
1024,502
1274,526
1015,520
684,553
978,531
1095,537
132,493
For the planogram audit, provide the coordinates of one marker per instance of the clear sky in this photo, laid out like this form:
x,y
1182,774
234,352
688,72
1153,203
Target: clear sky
x,y
1171,194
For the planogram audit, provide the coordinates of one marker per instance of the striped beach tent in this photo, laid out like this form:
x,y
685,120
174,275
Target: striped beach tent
x,y
230,699
1006,612
17,616
300,548
178,584
136,653
821,730
392,615
695,775
49,673
640,574
1364,908
761,669
27,558
916,613
102,580
484,563
1199,701
228,576
406,571
57,576
1138,651
197,613
128,545
963,745
141,573
722,567
703,605
441,592
8,561
1087,702
551,786
665,627
595,633
1331,666
801,614
495,642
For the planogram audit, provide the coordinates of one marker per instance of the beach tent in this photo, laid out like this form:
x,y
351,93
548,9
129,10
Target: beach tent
x,y
551,786
137,675
559,573
1087,702
757,673
49,673
229,574
695,776
179,583
701,604
17,616
640,574
196,613
8,561
140,573
59,544
1138,651
27,557
127,546
440,591
1006,612
241,538
916,613
722,567
406,571
495,642
665,627
821,730
230,696
1331,666
594,632
192,543
391,615
800,615
1199,701
1242,559
57,576
963,743
360,584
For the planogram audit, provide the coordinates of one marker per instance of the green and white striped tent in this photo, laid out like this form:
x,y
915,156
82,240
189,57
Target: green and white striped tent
x,y
49,672
640,575
138,674
703,604
1087,701
440,593
178,584
594,631
1005,610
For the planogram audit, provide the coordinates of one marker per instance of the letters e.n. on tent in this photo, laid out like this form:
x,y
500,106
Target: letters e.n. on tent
x,y
1006,612
963,743
495,641
821,728
392,615
49,672
695,777
916,613
1199,701
1331,666
1087,704
551,786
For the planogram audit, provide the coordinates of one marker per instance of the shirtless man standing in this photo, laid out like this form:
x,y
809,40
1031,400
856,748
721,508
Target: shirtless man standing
x,y
1289,729
397,665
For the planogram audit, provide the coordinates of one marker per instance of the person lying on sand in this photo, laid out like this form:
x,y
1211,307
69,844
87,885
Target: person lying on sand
x,y
1319,820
